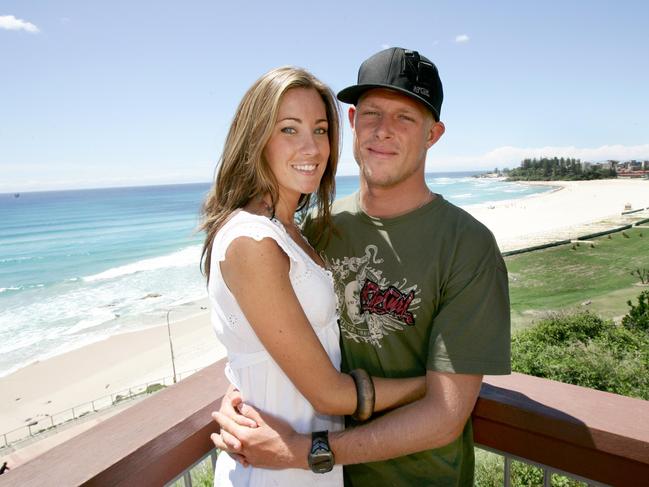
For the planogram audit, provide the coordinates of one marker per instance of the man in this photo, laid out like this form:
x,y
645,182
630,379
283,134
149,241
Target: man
x,y
423,291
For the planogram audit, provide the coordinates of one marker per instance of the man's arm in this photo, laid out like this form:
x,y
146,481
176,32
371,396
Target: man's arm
x,y
430,422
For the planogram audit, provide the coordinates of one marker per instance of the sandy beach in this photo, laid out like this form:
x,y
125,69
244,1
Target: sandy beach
x,y
574,209
53,385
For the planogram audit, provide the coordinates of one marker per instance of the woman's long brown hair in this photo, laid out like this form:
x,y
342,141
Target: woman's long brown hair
x,y
243,173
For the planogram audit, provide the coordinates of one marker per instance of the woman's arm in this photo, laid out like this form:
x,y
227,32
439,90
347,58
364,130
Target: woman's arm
x,y
257,274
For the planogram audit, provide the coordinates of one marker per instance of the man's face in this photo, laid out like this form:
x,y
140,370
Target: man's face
x,y
392,133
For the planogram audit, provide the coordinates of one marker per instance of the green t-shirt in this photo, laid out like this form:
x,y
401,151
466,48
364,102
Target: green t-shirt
x,y
422,291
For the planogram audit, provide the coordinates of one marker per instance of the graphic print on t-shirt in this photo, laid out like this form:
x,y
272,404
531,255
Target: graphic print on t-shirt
x,y
371,307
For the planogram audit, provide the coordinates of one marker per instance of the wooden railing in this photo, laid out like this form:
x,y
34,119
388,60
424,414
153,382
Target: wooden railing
x,y
596,435
593,434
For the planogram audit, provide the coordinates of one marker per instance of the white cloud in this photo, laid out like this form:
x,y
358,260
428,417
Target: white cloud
x,y
509,156
9,22
462,38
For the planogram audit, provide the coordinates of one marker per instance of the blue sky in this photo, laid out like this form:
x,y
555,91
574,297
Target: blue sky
x,y
142,92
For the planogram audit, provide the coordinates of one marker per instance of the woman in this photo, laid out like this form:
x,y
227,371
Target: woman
x,y
273,304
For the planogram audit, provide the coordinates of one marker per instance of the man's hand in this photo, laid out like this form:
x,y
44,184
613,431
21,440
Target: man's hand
x,y
272,443
231,406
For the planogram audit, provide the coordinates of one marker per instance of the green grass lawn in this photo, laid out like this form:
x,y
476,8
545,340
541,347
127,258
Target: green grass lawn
x,y
563,278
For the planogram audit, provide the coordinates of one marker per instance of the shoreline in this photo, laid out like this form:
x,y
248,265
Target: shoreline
x,y
54,385
566,212
143,322
49,386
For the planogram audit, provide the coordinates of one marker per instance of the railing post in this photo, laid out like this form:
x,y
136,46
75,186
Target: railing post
x,y
187,479
213,457
508,471
547,478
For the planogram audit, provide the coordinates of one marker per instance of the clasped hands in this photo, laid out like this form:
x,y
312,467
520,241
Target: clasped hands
x,y
252,439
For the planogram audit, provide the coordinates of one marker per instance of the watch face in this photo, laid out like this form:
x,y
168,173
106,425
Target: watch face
x,y
321,462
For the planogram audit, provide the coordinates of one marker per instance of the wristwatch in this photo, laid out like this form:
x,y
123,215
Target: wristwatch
x,y
321,458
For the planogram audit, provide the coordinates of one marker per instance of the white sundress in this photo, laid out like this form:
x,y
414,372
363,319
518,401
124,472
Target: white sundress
x,y
250,367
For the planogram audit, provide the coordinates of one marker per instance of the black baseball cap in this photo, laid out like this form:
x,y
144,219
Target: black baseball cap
x,y
399,69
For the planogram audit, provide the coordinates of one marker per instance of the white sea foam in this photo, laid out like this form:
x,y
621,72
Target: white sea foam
x,y
17,259
66,316
192,297
3,289
463,195
97,317
24,340
185,257
442,181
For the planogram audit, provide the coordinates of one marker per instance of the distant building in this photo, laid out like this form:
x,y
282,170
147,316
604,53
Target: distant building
x,y
610,164
633,169
606,165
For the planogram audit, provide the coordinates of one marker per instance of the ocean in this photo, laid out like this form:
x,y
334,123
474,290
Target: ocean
x,y
78,266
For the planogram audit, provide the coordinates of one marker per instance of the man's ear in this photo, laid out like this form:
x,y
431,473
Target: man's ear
x,y
351,114
436,131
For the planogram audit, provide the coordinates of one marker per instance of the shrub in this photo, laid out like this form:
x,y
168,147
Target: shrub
x,y
151,388
585,350
643,274
559,328
203,474
638,316
489,472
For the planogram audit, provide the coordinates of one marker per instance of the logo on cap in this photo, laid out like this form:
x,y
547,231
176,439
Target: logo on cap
x,y
420,90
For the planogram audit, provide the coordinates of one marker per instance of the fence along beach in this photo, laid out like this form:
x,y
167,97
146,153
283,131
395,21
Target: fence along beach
x,y
129,357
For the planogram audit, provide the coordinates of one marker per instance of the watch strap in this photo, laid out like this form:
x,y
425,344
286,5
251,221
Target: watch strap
x,y
321,458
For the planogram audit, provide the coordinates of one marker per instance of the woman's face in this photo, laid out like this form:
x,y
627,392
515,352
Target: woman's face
x,y
298,149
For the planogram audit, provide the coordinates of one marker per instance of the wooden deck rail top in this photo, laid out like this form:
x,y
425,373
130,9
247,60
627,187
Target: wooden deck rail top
x,y
601,436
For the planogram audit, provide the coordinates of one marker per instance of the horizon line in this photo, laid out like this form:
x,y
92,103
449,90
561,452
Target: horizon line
x,y
148,185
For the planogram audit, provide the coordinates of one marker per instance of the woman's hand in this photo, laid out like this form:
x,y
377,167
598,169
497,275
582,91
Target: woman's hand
x,y
271,444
